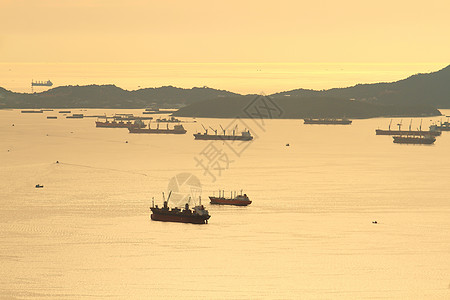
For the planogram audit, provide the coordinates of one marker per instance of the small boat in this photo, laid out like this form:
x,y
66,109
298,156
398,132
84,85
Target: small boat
x,y
197,215
38,186
238,200
64,111
326,121
52,117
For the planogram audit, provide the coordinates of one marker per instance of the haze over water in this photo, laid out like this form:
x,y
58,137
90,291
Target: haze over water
x,y
245,78
307,234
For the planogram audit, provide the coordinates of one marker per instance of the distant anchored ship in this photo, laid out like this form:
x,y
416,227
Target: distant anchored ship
x,y
177,129
238,200
433,131
411,139
245,135
327,121
41,83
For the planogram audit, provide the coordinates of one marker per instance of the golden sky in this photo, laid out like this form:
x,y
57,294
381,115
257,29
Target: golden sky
x,y
224,31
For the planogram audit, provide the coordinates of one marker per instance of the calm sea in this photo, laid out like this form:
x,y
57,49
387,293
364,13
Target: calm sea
x,y
236,77
307,235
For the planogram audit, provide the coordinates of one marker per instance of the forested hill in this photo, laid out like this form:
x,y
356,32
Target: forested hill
x,y
108,96
421,89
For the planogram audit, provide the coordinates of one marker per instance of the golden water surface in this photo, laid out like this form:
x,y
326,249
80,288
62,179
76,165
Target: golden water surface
x,y
307,235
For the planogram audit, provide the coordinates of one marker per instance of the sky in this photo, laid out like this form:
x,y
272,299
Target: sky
x,y
201,31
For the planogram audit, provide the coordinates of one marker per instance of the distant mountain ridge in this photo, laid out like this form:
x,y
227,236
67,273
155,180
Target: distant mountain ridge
x,y
303,107
417,95
108,96
420,89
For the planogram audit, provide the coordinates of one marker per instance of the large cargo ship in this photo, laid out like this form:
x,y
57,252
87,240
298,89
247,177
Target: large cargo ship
x,y
408,139
177,129
238,200
120,124
343,121
245,135
399,131
197,215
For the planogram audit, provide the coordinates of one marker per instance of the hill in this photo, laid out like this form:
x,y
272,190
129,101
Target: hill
x,y
108,96
302,107
421,89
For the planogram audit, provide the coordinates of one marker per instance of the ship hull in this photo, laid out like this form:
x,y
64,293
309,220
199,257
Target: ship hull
x,y
414,140
326,122
222,137
156,131
32,111
179,218
409,132
115,125
224,201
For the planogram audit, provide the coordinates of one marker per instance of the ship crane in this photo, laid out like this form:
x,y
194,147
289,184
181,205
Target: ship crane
x,y
390,125
400,125
215,130
206,130
410,125
223,130
234,129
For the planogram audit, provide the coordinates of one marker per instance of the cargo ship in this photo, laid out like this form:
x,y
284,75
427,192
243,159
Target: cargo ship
x,y
197,215
245,135
343,121
238,200
177,129
41,83
120,124
32,111
411,139
169,120
420,132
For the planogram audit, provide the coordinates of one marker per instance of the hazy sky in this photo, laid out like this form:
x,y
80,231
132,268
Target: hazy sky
x,y
224,31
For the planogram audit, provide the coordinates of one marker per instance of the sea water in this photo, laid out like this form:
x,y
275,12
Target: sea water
x,y
309,233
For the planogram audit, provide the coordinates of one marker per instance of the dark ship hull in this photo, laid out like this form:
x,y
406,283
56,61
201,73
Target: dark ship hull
x,y
229,201
200,136
32,111
157,131
407,132
179,217
327,121
117,125
414,140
